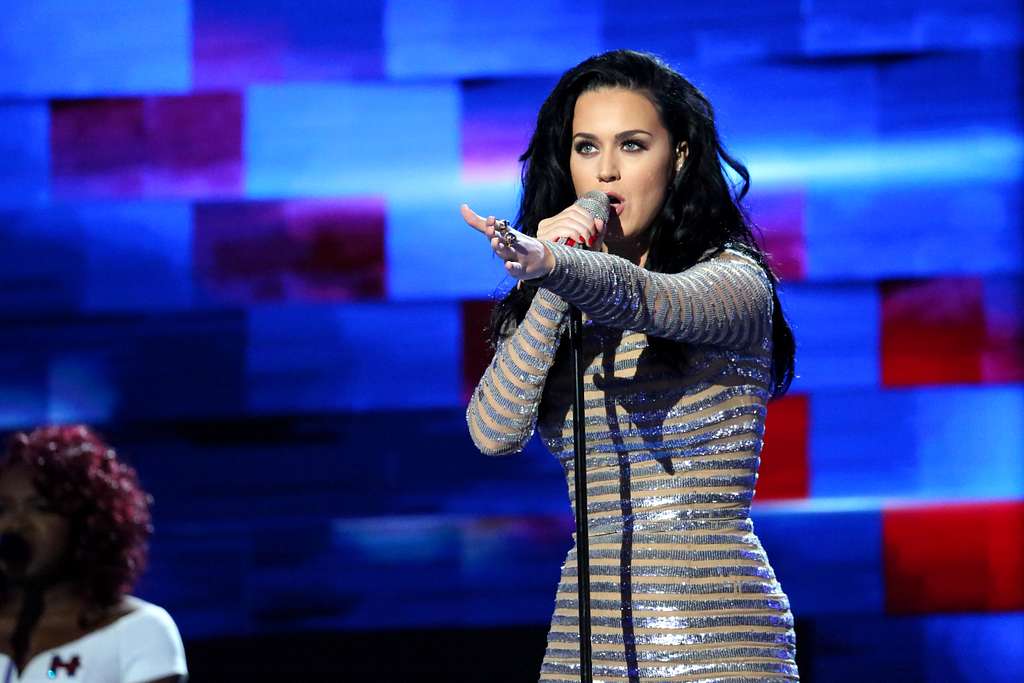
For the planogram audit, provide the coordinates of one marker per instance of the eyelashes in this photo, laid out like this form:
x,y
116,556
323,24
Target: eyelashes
x,y
627,145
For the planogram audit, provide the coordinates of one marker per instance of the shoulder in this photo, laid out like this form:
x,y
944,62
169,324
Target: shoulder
x,y
150,643
745,256
139,611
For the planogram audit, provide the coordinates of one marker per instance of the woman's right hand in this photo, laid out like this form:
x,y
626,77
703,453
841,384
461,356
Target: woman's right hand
x,y
575,224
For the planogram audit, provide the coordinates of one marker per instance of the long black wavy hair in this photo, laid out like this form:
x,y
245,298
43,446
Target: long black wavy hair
x,y
702,209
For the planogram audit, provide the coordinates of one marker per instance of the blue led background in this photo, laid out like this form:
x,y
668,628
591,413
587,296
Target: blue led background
x,y
229,238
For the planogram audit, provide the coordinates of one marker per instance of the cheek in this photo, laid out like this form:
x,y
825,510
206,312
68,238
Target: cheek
x,y
55,535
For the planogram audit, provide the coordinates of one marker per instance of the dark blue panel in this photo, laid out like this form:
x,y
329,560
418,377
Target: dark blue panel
x,y
854,648
322,359
400,463
828,561
933,649
704,31
101,256
146,367
24,389
951,91
42,263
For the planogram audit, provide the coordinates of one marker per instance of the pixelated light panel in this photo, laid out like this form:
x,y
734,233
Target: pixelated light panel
x,y
164,146
293,250
235,44
217,213
498,117
952,331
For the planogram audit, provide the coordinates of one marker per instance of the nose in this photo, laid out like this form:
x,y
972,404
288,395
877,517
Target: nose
x,y
608,169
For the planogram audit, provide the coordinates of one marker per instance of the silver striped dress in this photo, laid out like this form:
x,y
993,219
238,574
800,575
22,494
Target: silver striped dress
x,y
681,589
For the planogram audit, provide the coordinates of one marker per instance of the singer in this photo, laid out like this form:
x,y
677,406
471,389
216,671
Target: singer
x,y
74,523
685,342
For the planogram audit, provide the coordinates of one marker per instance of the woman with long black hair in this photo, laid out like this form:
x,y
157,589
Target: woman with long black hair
x,y
685,343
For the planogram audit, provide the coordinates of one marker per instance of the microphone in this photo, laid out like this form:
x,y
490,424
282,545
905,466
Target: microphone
x,y
597,205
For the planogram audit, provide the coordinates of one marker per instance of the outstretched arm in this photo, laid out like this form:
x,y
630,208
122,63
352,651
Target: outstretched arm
x,y
502,412
726,300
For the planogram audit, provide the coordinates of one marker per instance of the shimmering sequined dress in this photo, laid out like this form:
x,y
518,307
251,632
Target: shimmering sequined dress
x,y
681,589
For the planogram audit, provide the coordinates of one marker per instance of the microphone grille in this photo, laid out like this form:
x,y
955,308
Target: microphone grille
x,y
595,203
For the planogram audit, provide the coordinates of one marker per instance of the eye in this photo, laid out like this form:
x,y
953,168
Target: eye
x,y
584,147
43,505
633,146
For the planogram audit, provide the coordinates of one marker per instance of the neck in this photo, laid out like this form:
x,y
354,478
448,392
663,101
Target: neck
x,y
59,596
634,250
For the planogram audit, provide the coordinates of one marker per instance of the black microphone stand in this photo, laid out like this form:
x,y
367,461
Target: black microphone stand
x,y
580,471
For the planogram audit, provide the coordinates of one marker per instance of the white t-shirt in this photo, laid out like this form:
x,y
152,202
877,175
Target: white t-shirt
x,y
143,645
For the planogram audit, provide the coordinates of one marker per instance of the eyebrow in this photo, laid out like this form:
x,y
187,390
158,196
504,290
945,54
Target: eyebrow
x,y
620,136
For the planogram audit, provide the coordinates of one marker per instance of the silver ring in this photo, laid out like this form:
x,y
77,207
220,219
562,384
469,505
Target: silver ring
x,y
508,236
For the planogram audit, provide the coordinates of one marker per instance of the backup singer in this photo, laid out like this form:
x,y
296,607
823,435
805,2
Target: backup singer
x,y
685,342
73,528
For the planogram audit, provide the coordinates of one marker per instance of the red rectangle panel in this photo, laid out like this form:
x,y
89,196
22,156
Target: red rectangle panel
x,y
933,331
784,462
308,250
967,557
476,350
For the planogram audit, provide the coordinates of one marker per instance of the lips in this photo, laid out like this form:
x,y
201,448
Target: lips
x,y
616,201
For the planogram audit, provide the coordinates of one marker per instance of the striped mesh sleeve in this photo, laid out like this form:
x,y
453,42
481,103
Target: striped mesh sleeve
x,y
725,301
502,412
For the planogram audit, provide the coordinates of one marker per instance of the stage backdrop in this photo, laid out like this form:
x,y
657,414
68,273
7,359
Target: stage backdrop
x,y
229,237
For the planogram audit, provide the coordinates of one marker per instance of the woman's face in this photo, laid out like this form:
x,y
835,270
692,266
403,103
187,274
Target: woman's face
x,y
619,146
25,513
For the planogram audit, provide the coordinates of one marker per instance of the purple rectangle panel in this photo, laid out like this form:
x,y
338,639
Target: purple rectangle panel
x,y
498,118
147,146
1002,357
235,44
300,250
779,216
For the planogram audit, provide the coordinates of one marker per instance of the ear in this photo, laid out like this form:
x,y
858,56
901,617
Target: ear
x,y
682,151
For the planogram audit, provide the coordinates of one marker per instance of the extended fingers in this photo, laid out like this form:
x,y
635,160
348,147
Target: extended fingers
x,y
477,222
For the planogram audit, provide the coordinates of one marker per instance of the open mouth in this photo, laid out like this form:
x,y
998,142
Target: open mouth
x,y
15,551
616,202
